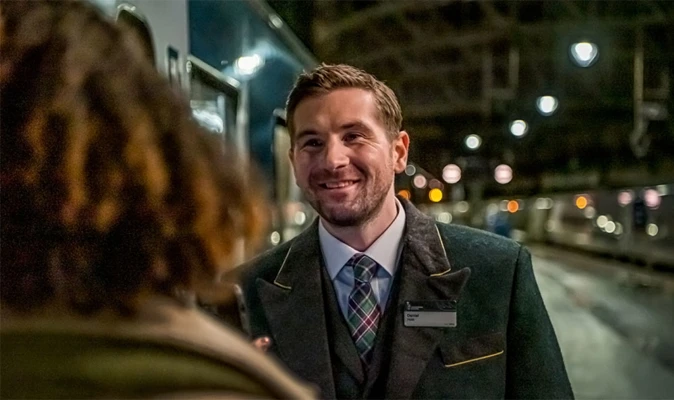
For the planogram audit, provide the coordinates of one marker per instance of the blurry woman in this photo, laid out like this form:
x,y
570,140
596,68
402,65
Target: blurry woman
x,y
112,201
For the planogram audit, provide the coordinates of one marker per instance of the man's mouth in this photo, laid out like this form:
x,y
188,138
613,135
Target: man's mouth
x,y
336,185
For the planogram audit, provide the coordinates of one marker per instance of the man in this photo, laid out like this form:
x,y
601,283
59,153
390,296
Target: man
x,y
377,300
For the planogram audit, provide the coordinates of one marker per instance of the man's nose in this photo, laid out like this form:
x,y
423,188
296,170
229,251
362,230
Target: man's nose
x,y
336,155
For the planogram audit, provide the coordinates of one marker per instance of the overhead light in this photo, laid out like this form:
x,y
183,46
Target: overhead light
x,y
519,128
473,142
547,105
248,65
584,54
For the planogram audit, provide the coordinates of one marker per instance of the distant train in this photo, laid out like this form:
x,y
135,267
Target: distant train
x,y
236,61
633,224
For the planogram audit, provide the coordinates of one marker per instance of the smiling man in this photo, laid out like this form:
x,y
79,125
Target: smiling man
x,y
377,300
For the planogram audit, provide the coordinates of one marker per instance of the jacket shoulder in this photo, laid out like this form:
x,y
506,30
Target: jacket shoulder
x,y
477,242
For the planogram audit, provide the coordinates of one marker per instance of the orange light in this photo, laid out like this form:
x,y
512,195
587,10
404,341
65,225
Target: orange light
x,y
581,202
435,195
405,193
513,206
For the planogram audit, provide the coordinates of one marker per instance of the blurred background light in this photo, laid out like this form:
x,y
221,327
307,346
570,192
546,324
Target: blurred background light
x,y
513,206
473,142
405,194
652,198
419,181
410,170
451,173
435,195
462,206
519,128
444,217
618,229
544,203
547,105
610,227
652,230
248,65
602,220
503,174
584,54
581,202
625,197
300,218
435,184
275,238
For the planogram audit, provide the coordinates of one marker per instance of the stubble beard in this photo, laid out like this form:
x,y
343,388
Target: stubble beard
x,y
358,212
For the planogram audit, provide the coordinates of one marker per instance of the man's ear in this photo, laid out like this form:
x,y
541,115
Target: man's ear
x,y
401,147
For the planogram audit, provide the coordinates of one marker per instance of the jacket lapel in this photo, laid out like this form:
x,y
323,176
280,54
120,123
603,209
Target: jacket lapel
x,y
293,305
426,276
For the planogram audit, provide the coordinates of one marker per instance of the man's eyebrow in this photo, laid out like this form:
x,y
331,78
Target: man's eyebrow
x,y
305,132
355,124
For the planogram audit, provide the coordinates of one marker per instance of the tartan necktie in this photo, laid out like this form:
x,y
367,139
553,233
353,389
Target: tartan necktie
x,y
363,313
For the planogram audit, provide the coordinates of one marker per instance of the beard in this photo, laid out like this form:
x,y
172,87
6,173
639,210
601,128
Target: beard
x,y
355,212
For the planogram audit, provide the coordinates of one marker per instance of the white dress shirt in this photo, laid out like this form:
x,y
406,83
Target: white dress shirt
x,y
385,251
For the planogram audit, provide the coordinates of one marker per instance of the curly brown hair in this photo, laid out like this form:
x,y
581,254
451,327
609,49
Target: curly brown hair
x,y
327,77
109,189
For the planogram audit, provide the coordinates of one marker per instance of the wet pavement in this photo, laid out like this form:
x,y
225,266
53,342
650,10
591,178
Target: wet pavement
x,y
614,323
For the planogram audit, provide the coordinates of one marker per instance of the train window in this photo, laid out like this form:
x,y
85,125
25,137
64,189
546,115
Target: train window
x,y
213,98
134,22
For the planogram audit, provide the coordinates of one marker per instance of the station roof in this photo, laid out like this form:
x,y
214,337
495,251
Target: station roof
x,y
473,67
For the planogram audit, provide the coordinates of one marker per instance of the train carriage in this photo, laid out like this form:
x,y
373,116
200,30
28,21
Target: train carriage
x,y
236,61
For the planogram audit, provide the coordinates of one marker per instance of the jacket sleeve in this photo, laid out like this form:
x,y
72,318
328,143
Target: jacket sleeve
x,y
535,368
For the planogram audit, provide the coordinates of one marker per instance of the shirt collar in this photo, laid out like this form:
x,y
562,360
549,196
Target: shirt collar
x,y
337,253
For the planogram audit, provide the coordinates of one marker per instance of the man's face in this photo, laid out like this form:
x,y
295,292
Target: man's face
x,y
343,158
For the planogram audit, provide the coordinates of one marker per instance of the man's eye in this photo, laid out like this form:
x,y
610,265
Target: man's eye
x,y
312,143
351,136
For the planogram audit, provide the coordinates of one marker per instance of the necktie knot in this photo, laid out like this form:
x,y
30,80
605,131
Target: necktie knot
x,y
364,267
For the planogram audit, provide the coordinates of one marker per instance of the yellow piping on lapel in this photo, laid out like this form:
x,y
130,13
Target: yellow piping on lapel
x,y
474,359
281,269
445,251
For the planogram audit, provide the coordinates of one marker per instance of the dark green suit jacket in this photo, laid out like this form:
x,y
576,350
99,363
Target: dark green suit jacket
x,y
503,345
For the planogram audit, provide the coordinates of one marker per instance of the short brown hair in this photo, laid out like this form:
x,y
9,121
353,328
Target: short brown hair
x,y
327,78
109,189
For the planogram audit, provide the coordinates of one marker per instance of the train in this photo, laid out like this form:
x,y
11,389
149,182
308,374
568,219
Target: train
x,y
236,62
632,224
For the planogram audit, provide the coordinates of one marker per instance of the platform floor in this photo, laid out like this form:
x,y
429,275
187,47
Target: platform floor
x,y
614,323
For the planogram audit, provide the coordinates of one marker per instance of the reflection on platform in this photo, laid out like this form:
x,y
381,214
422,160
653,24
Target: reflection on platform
x,y
614,324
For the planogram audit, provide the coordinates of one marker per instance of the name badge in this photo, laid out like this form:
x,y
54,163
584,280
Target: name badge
x,y
434,314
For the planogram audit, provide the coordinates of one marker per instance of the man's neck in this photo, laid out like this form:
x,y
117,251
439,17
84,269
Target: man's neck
x,y
362,237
